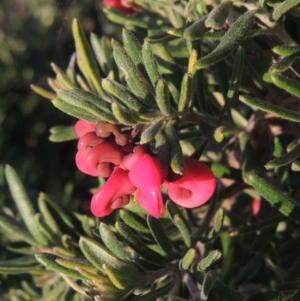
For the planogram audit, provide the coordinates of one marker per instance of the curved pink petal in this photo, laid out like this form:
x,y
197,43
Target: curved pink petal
x,y
82,127
113,194
147,175
80,160
88,141
130,159
102,158
105,129
195,187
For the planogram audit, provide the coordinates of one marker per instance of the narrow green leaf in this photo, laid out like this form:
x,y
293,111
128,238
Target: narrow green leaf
x,y
85,58
150,63
283,64
75,111
180,222
282,8
154,295
186,93
113,277
235,82
62,133
29,289
54,293
43,92
88,102
162,148
277,148
277,198
290,85
271,108
219,219
161,237
19,265
10,226
22,202
295,166
286,50
99,279
176,155
76,287
196,30
149,133
74,264
168,68
135,243
285,159
161,37
45,231
98,255
116,16
208,283
208,260
218,15
60,212
134,221
49,261
163,97
112,243
62,78
248,156
133,47
231,40
187,259
123,95
122,115
137,83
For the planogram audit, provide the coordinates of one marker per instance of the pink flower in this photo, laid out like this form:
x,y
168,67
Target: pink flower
x,y
131,158
82,127
147,175
105,129
102,158
195,187
85,144
113,194
256,205
122,5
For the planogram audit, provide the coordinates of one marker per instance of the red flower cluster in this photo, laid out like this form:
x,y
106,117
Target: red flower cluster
x,y
122,5
105,151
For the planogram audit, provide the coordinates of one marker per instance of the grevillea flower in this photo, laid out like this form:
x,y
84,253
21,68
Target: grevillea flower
x,y
85,144
105,129
102,158
195,187
113,194
82,127
147,175
131,158
122,5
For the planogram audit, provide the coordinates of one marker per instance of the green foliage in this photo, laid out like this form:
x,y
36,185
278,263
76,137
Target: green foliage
x,y
174,76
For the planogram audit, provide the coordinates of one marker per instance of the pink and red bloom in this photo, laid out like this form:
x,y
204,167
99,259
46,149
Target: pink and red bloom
x,y
134,171
122,5
196,186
